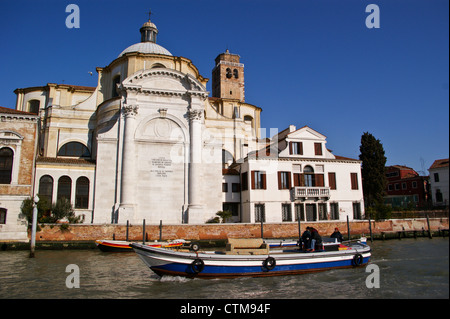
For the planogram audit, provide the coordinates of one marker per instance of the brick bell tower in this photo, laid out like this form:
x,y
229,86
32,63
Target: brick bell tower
x,y
228,77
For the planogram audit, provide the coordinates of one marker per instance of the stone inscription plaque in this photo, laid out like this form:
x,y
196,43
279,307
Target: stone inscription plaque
x,y
161,167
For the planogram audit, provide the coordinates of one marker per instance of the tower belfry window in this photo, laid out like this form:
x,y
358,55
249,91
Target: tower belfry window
x,y
229,75
236,74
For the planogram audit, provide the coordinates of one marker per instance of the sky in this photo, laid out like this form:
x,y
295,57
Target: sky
x,y
313,63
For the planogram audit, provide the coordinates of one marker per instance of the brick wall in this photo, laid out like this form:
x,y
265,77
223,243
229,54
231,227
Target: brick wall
x,y
223,231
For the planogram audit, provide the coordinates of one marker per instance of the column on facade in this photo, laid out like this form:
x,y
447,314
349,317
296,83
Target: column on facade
x,y
195,158
128,176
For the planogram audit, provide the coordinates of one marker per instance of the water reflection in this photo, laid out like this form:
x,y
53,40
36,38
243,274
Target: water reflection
x,y
408,269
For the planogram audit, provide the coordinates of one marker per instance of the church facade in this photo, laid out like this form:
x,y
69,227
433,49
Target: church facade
x,y
149,142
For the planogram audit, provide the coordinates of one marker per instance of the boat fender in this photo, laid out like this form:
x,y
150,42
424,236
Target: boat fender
x,y
269,263
194,247
357,260
197,265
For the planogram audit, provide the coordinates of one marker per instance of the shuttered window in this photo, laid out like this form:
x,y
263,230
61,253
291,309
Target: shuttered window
x,y
244,181
296,148
284,180
354,180
318,148
332,180
258,180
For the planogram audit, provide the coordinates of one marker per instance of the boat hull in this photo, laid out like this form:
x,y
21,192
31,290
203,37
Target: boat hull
x,y
124,246
213,265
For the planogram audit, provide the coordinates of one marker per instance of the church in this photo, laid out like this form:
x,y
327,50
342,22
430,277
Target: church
x,y
150,142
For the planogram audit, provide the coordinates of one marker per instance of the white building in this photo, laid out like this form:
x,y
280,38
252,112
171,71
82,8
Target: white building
x,y
297,175
148,142
439,180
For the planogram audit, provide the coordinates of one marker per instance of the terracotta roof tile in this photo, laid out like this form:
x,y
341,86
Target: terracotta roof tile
x,y
439,163
65,160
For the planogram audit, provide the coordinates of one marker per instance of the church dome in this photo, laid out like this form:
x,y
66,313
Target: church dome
x,y
146,47
148,41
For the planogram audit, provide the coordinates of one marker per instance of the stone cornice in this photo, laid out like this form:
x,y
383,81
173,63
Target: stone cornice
x,y
196,89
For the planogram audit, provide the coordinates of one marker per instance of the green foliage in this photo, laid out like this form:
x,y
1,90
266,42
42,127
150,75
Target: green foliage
x,y
213,220
26,209
373,170
62,209
379,212
222,217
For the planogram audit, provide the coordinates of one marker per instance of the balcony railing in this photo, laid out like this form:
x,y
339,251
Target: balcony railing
x,y
311,192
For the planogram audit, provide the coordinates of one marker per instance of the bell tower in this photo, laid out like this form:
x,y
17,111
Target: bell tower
x,y
228,77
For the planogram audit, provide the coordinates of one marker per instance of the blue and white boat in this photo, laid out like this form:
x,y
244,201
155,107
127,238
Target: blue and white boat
x,y
249,261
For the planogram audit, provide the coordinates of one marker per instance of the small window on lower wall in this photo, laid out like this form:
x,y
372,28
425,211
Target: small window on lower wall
x,y
260,214
286,213
2,215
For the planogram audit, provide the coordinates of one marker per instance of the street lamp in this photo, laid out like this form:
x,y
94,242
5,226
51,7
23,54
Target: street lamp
x,y
33,226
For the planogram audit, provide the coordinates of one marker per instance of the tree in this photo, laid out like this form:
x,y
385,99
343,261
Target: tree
x,y
47,213
63,209
373,170
26,209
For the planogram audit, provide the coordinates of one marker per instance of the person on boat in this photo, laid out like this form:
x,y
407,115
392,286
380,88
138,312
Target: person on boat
x,y
337,234
316,239
306,238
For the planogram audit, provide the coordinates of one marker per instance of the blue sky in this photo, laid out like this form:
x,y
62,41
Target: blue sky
x,y
309,63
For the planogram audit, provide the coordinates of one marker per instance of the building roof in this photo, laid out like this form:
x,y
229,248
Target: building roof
x,y
6,110
65,160
146,47
439,163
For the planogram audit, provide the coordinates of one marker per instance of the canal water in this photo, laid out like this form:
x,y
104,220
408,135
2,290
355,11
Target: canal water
x,y
408,269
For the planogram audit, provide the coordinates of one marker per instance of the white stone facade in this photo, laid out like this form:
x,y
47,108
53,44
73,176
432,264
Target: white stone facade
x,y
283,180
439,180
153,144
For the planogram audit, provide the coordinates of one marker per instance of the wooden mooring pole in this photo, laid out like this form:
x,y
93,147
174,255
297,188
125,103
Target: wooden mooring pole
x,y
429,229
262,228
370,229
128,225
348,228
143,232
160,230
299,229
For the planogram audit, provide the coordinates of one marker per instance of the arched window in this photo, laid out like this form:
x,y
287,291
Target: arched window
x,y
64,188
158,65
115,81
46,188
236,73
74,149
6,163
82,193
227,158
33,106
309,176
229,75
248,118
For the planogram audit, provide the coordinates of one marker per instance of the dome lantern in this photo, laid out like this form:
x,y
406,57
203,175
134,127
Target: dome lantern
x,y
148,31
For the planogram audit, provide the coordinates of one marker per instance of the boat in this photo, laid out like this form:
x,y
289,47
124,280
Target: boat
x,y
280,243
124,246
250,258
